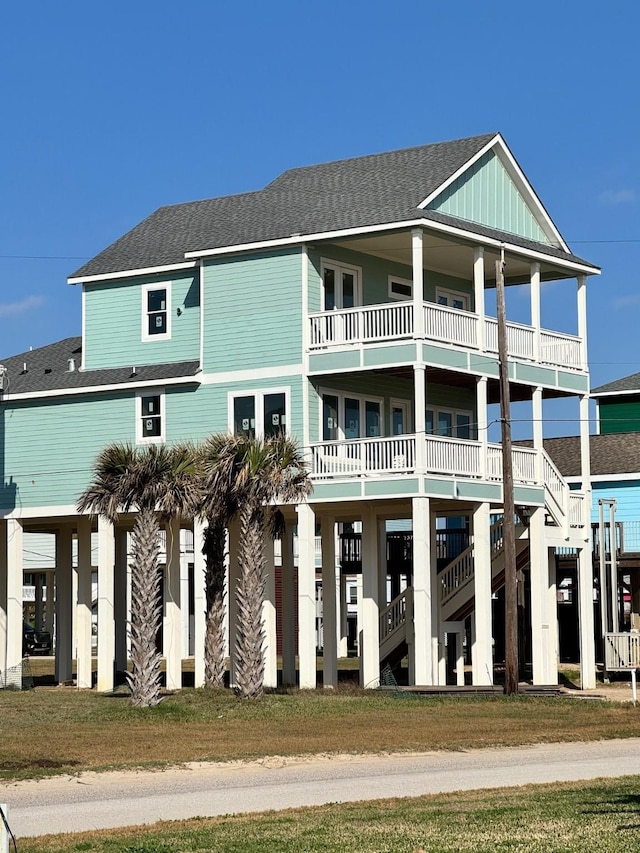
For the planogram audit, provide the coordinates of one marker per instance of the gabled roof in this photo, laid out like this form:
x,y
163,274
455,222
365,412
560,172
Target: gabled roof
x,y
615,453
47,369
378,189
628,384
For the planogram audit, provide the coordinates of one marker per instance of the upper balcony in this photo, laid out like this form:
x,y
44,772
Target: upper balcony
x,y
463,330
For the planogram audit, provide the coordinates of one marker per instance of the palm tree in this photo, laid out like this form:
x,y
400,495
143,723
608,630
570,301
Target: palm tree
x,y
254,473
158,482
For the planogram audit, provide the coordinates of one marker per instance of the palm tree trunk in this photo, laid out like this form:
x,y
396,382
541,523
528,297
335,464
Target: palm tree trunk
x,y
146,609
214,544
250,595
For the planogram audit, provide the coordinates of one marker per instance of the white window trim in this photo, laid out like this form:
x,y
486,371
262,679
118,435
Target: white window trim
x,y
146,288
259,394
152,439
454,294
392,279
454,414
339,267
362,399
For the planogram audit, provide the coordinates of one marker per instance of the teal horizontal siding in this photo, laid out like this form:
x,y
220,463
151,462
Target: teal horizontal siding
x,y
113,323
253,311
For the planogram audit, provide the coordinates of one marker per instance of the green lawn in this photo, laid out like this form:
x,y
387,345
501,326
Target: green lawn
x,y
59,730
603,817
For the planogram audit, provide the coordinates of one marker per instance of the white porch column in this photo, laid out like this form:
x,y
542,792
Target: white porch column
x,y
535,308
420,405
435,600
538,432
269,616
418,282
172,623
199,602
288,609
234,576
3,598
554,634
14,617
482,647
382,563
64,606
542,645
106,615
359,614
483,421
329,629
83,605
370,642
582,318
478,293
420,665
585,616
306,597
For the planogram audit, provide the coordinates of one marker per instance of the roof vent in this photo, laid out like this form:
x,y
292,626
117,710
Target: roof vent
x,y
71,365
24,367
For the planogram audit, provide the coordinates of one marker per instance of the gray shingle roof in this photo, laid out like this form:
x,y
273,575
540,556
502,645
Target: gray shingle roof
x,y
617,453
626,383
47,370
359,192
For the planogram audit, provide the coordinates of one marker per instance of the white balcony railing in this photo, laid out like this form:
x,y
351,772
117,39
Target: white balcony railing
x,y
455,457
395,321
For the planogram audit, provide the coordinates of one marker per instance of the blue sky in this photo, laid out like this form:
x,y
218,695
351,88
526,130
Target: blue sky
x,y
111,110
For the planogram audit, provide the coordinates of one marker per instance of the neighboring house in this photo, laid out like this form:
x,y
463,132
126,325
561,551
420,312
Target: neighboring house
x,y
345,304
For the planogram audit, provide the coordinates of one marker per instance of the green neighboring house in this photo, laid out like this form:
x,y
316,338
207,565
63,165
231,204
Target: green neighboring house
x,y
345,304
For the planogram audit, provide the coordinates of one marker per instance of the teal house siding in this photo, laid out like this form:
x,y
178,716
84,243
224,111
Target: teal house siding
x,y
375,277
113,322
253,311
626,493
622,415
50,445
485,193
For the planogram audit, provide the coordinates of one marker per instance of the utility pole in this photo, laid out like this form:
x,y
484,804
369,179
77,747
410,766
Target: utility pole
x,y
508,521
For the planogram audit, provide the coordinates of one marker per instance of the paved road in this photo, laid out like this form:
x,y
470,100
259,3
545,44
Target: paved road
x,y
102,800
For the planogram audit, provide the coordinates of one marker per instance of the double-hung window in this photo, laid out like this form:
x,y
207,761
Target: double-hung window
x,y
261,413
150,417
156,312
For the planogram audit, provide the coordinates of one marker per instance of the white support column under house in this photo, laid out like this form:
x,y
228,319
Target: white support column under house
x,y
270,649
106,614
199,601
14,552
64,606
420,665
482,647
306,597
83,604
122,598
370,640
172,623
585,619
3,598
542,644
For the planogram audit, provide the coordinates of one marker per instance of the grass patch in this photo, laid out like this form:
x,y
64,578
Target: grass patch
x,y
563,817
44,732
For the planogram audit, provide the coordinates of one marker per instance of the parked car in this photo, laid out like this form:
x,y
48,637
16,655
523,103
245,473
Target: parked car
x,y
35,642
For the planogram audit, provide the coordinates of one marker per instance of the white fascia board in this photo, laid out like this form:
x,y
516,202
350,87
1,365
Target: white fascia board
x,y
42,513
131,273
517,176
427,224
97,389
596,396
459,172
607,478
